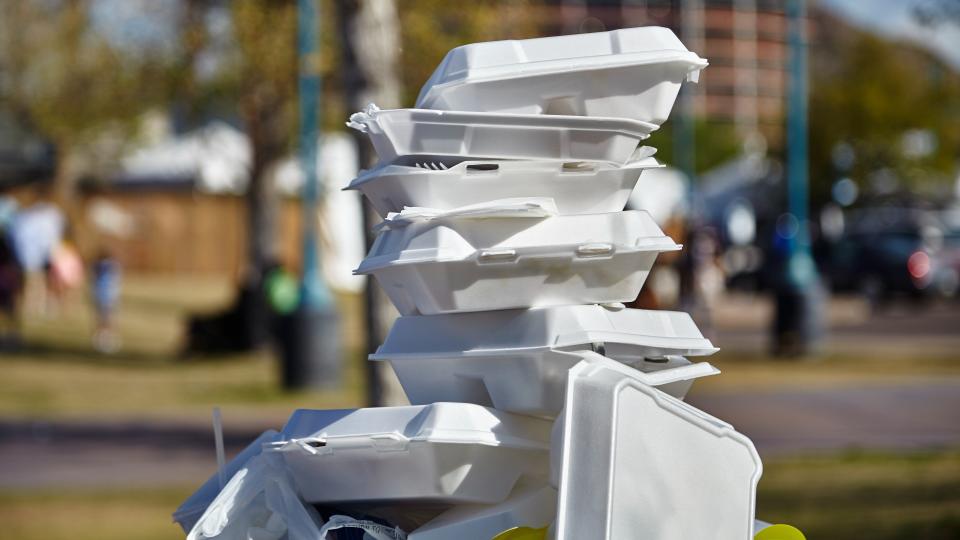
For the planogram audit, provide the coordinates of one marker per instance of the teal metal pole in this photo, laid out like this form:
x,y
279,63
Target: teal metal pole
x,y
799,314
801,268
314,292
309,338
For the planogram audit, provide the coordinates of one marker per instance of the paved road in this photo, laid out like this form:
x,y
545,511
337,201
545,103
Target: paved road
x,y
902,416
741,323
91,454
921,414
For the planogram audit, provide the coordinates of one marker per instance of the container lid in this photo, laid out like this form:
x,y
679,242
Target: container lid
x,y
633,458
489,238
483,333
387,427
372,119
440,165
578,52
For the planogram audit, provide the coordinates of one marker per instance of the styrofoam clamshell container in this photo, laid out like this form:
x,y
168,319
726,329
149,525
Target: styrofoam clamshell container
x,y
576,187
629,73
474,264
517,360
445,453
631,458
529,505
478,135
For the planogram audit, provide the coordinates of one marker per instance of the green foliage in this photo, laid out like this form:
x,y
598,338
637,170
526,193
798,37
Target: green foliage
x,y
714,143
430,28
67,79
868,92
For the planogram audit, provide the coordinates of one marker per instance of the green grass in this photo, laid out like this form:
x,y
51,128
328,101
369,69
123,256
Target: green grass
x,y
58,374
874,496
849,496
93,515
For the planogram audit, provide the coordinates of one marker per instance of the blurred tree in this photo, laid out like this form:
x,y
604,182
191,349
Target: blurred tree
x,y
937,12
79,90
716,143
430,28
263,74
871,95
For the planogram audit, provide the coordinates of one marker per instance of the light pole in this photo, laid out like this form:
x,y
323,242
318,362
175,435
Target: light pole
x,y
311,353
799,311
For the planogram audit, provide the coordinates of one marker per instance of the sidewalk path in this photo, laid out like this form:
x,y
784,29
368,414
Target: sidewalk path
x,y
110,454
908,416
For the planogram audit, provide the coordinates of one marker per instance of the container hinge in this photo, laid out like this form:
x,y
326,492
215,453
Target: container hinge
x,y
497,256
594,250
389,443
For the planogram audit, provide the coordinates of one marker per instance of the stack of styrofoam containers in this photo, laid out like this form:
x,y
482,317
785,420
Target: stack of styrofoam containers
x,y
538,399
506,250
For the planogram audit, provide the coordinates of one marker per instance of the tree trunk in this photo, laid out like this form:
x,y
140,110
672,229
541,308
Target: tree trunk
x,y
369,32
266,134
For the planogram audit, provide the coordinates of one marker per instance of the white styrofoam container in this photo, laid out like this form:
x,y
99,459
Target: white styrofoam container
x,y
444,452
633,460
517,360
477,135
529,505
576,187
189,512
629,73
522,382
474,264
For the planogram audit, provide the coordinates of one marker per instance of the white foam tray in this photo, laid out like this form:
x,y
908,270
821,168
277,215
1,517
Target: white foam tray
x,y
576,187
532,506
475,264
633,461
629,73
477,135
445,453
517,360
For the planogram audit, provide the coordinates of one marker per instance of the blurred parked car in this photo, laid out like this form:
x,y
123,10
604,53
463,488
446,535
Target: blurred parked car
x,y
888,251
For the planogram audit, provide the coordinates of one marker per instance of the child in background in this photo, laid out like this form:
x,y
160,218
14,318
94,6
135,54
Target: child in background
x,y
106,292
64,274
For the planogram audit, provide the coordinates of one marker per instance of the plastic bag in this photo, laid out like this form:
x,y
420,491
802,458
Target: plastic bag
x,y
372,530
258,503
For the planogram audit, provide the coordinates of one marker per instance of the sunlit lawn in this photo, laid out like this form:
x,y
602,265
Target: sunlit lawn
x,y
58,375
865,496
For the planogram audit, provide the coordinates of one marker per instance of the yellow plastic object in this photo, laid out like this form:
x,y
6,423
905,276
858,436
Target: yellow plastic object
x,y
522,533
780,532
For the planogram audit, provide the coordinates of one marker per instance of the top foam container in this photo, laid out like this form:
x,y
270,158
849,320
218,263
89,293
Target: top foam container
x,y
631,73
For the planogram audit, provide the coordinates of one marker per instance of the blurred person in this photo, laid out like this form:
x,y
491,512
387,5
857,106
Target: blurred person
x,y
106,293
702,277
11,286
34,233
64,273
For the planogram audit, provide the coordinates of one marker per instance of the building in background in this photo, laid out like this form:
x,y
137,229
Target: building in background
x,y
744,40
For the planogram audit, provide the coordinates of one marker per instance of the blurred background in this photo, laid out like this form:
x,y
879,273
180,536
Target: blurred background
x,y
174,238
